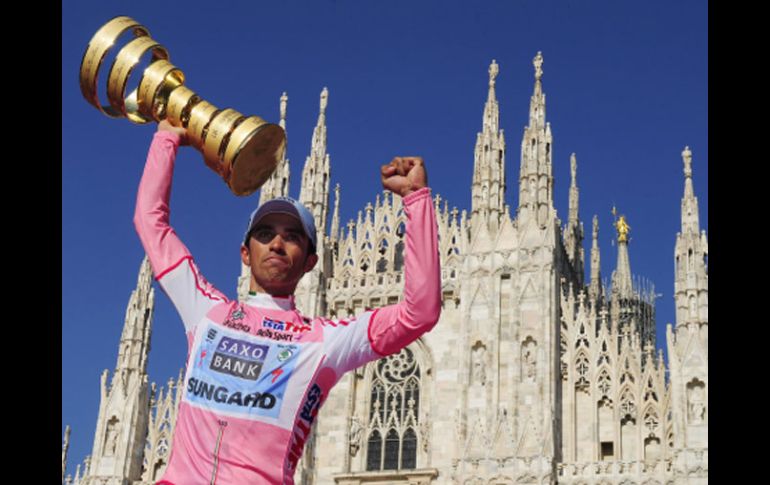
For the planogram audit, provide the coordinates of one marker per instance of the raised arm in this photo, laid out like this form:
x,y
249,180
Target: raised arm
x,y
392,328
171,261
384,331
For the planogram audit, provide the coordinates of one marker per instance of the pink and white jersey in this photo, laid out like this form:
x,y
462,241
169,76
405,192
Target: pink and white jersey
x,y
258,371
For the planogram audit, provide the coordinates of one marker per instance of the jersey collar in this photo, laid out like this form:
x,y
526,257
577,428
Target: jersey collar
x,y
265,300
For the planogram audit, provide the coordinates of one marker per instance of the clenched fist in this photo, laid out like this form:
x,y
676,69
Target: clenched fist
x,y
166,126
404,175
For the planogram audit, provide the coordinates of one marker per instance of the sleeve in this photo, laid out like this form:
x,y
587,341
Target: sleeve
x,y
389,329
171,261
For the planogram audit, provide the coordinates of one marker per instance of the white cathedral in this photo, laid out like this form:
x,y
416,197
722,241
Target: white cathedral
x,y
532,375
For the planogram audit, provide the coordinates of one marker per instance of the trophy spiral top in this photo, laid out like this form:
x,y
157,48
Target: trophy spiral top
x,y
94,56
243,150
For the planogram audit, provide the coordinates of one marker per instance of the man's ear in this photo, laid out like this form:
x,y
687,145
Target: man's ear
x,y
310,262
245,255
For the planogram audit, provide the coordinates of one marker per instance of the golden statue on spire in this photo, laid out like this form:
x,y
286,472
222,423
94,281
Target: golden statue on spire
x,y
622,226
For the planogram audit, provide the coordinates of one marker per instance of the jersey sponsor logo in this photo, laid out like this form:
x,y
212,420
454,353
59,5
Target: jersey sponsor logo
x,y
281,337
240,374
303,425
242,348
312,403
221,394
235,320
239,358
236,367
237,326
285,326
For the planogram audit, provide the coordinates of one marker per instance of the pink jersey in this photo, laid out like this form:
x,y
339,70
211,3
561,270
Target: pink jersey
x,y
258,371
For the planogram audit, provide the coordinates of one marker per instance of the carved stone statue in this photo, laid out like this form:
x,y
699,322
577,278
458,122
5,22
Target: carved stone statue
x,y
356,431
111,440
538,63
529,361
324,99
696,407
493,71
478,368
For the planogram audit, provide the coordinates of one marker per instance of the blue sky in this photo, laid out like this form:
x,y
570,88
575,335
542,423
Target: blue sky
x,y
626,88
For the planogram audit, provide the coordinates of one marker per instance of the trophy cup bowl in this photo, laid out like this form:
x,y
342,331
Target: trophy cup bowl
x,y
243,150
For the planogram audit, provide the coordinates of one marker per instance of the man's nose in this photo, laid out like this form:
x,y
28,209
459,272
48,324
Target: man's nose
x,y
277,243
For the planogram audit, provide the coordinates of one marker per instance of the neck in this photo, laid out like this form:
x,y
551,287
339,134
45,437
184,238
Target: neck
x,y
277,292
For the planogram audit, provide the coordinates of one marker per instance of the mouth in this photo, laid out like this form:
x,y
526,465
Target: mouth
x,y
276,260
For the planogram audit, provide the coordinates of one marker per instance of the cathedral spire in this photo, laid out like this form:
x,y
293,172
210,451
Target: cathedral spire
x,y
573,238
336,216
537,103
278,183
284,101
622,285
491,110
314,193
135,340
595,288
121,429
690,219
65,447
488,189
573,193
691,284
536,177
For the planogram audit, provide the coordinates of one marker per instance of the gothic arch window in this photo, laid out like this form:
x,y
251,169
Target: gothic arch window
x,y
398,257
348,258
394,411
627,405
582,367
382,246
651,422
604,383
627,376
649,393
401,229
604,355
582,337
563,357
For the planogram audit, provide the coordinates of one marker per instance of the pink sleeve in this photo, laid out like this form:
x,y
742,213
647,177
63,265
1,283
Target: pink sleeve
x,y
392,328
171,261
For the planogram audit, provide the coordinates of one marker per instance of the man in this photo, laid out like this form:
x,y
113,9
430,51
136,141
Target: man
x,y
257,372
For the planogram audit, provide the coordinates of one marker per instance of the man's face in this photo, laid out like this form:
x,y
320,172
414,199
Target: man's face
x,y
278,254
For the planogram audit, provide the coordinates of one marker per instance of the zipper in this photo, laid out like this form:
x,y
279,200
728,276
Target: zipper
x,y
222,426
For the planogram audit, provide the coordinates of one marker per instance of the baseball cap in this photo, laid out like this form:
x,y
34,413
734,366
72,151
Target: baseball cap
x,y
284,205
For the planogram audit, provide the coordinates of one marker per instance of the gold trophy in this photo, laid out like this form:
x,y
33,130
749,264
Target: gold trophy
x,y
243,150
